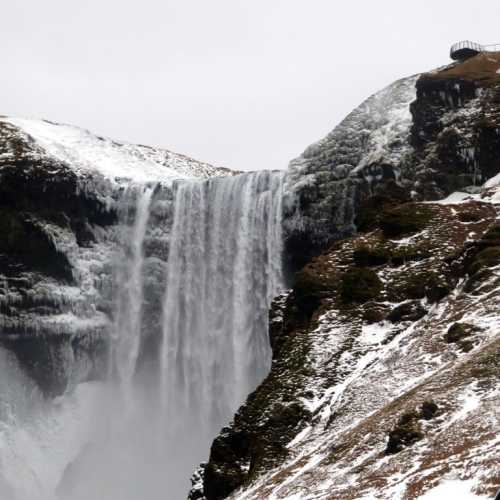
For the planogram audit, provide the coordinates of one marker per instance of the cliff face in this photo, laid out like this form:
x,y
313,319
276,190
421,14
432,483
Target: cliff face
x,y
386,351
66,197
455,127
333,177
421,138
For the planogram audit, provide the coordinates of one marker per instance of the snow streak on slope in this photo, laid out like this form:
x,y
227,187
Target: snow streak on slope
x,y
224,267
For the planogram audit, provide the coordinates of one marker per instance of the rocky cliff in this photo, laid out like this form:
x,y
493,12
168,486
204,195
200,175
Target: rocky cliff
x,y
384,382
67,198
421,138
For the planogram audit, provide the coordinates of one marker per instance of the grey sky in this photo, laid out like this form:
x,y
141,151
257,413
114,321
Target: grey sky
x,y
240,83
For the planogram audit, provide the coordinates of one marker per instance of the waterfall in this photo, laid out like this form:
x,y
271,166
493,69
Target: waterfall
x,y
196,267
224,267
126,332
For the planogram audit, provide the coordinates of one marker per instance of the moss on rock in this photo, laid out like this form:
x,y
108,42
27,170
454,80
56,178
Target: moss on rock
x,y
374,313
428,410
406,432
457,332
309,290
487,258
404,220
423,284
360,284
366,257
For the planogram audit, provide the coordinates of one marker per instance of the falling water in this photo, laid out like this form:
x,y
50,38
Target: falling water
x,y
130,289
141,433
224,267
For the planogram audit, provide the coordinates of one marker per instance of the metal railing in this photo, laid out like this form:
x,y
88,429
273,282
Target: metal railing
x,y
466,44
477,47
495,47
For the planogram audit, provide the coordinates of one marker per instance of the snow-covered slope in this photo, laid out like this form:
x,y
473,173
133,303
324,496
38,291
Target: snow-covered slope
x,y
86,152
390,387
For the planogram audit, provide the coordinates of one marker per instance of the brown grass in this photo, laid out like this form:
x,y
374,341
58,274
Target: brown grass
x,y
481,68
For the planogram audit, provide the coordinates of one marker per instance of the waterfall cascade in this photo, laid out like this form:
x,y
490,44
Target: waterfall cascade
x,y
224,267
130,292
141,433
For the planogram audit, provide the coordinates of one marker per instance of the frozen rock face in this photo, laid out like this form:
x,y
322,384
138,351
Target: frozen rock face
x,y
138,292
330,180
421,138
66,199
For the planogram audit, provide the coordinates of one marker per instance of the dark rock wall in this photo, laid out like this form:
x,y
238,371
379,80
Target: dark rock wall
x,y
421,138
40,199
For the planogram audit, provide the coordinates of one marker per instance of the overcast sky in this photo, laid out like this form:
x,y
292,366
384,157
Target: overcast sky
x,y
240,83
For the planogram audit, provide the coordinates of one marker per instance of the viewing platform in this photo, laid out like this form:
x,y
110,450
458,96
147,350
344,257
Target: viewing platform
x,y
466,49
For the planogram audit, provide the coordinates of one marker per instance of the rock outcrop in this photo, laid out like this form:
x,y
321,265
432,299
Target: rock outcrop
x,y
421,138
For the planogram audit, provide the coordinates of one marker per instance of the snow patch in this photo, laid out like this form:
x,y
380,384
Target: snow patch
x,y
452,488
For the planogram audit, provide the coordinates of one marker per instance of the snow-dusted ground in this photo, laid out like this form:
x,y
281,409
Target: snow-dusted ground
x,y
86,152
386,369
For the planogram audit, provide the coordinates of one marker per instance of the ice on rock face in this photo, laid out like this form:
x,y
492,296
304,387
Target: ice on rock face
x,y
374,131
179,289
370,144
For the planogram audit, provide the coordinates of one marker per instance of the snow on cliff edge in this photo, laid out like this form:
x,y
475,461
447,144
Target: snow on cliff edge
x,y
86,152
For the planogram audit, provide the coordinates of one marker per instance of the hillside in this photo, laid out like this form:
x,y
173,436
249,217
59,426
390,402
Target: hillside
x,y
386,362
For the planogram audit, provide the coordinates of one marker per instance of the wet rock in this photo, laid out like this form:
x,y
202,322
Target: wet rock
x,y
409,311
406,432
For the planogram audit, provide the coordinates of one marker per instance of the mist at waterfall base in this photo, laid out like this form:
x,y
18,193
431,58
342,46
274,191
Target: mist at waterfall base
x,y
141,432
